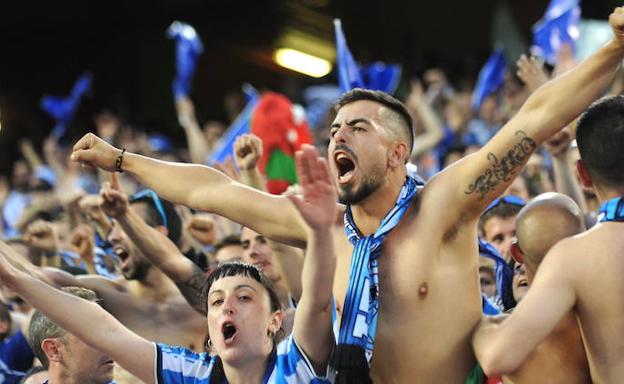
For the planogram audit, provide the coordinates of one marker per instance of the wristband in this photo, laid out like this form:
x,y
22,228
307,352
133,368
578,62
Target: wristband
x,y
119,161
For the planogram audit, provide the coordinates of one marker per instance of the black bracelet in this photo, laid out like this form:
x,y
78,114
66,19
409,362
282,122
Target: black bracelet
x,y
119,161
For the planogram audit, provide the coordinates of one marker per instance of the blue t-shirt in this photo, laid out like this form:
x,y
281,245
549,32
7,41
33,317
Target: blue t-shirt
x,y
16,358
177,365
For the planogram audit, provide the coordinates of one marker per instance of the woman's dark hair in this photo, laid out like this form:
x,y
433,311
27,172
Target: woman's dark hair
x,y
237,268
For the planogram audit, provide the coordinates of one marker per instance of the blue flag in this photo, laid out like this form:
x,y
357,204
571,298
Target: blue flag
x,y
377,76
188,49
63,109
558,26
240,126
491,77
504,273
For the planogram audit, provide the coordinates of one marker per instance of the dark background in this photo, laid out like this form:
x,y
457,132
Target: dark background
x,y
44,46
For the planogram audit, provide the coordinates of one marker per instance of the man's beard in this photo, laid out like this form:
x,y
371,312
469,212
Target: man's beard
x,y
350,196
137,272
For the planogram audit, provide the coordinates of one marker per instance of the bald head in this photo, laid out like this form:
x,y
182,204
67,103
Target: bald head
x,y
544,221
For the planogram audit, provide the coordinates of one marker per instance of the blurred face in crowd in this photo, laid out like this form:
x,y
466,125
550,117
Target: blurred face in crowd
x,y
240,319
132,263
81,362
500,232
520,284
227,253
21,175
358,150
487,111
256,251
488,281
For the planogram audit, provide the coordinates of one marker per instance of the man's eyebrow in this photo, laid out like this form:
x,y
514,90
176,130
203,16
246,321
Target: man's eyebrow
x,y
353,122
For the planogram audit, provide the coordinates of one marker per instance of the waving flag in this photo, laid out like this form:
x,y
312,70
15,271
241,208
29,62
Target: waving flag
x,y
188,49
241,125
377,76
558,26
63,109
491,77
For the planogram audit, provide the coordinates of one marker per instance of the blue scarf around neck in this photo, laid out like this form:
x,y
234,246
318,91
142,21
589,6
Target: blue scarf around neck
x,y
612,210
359,313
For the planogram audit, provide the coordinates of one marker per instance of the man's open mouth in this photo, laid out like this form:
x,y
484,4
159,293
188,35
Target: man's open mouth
x,y
122,254
345,167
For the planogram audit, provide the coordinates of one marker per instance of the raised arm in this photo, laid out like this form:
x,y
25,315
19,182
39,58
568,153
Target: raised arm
x,y
502,348
433,132
197,144
201,187
161,251
86,320
313,318
478,179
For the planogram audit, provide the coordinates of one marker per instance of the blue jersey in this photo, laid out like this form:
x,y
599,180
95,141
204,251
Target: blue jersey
x,y
179,365
16,358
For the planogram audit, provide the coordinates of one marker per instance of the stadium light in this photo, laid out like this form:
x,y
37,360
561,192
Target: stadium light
x,y
302,62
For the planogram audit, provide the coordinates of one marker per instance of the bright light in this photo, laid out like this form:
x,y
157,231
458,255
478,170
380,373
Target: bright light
x,y
302,62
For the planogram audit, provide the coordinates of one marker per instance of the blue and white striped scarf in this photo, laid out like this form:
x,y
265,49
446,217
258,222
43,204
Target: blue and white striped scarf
x,y
612,210
359,313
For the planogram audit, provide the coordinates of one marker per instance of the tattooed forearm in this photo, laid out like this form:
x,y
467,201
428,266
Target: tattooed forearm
x,y
195,291
502,170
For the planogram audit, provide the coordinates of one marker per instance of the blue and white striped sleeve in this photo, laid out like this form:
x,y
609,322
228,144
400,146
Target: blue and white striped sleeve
x,y
293,366
177,365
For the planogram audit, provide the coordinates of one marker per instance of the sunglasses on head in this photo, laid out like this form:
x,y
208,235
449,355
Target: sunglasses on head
x,y
508,199
151,196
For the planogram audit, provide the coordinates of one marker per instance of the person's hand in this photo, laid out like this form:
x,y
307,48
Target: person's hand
x,y
42,235
82,241
185,110
416,96
201,226
248,150
616,19
115,202
318,204
91,206
93,152
531,72
559,143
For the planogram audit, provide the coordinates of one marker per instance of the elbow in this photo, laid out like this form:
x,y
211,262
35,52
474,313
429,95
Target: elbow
x,y
498,363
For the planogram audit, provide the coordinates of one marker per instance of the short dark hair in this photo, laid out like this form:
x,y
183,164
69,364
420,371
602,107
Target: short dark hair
x,y
600,139
384,99
502,210
5,317
227,241
154,218
41,327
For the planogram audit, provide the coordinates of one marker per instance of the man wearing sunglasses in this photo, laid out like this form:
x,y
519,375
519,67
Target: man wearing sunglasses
x,y
430,300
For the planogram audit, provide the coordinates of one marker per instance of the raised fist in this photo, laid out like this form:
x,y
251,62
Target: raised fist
x,y
42,236
616,19
248,150
91,151
202,227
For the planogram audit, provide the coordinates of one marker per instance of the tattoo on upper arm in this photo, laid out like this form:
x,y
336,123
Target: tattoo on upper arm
x,y
195,291
502,170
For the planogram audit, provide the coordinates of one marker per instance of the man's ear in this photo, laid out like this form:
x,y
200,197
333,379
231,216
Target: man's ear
x,y
584,174
516,252
398,154
51,347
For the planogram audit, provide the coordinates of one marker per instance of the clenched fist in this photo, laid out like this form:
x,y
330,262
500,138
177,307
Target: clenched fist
x,y
248,150
93,152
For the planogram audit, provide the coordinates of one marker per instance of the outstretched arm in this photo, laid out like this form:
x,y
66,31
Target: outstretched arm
x,y
313,318
161,251
202,188
502,348
478,179
88,321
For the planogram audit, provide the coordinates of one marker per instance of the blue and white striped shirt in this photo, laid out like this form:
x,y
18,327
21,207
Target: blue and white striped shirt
x,y
177,365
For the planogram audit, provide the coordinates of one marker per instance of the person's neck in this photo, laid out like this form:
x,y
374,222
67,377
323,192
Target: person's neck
x,y
250,371
605,194
154,286
368,213
59,375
